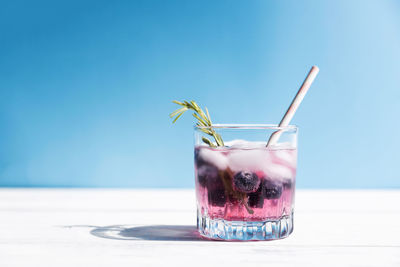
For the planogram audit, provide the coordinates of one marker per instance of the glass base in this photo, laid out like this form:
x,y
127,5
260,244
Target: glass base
x,y
219,229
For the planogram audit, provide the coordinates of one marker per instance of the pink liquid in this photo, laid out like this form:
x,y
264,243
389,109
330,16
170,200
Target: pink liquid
x,y
220,195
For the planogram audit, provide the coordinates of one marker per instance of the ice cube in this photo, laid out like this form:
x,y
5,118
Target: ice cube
x,y
285,157
280,146
248,160
235,143
277,171
214,157
243,144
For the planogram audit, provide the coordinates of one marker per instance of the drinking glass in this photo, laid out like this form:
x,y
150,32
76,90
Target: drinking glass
x,y
245,189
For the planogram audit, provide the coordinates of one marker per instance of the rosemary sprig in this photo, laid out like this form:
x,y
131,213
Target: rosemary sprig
x,y
203,121
205,125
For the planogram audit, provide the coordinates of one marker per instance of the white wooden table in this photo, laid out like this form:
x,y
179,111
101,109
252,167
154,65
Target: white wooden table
x,y
97,227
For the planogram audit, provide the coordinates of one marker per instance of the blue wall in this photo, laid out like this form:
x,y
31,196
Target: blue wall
x,y
86,87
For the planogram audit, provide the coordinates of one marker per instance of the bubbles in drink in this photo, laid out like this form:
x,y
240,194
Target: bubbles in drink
x,y
213,157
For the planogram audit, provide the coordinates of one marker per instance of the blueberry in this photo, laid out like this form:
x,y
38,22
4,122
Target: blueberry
x,y
287,184
272,189
246,182
256,199
217,197
207,174
197,159
215,187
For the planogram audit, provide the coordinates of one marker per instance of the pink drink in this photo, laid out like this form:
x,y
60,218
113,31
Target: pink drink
x,y
245,182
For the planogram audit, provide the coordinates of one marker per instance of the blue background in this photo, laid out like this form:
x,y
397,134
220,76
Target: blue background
x,y
86,87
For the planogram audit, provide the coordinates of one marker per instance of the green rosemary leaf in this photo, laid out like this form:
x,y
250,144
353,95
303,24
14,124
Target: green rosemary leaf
x,y
177,117
195,105
206,131
177,102
208,116
173,114
203,120
219,140
208,142
200,119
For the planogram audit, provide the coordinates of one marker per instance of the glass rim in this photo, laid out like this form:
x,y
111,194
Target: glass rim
x,y
247,126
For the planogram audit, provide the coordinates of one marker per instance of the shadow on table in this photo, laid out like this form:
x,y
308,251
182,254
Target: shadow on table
x,y
151,232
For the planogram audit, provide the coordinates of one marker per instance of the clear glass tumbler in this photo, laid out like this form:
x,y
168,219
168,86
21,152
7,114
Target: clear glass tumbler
x,y
245,189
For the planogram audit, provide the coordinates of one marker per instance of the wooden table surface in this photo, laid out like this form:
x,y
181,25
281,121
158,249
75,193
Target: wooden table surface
x,y
110,227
